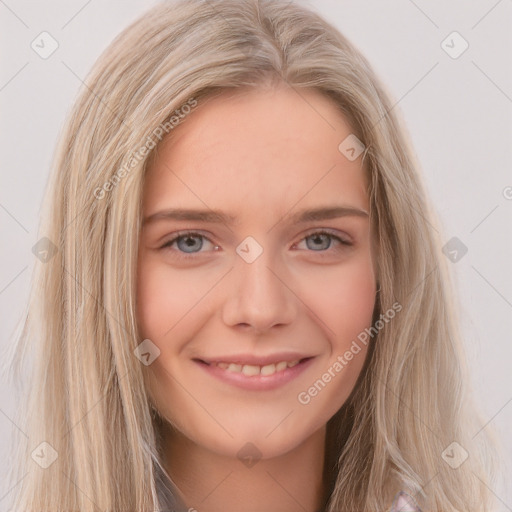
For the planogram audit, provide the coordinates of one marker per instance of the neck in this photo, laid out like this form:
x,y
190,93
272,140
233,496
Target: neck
x,y
210,482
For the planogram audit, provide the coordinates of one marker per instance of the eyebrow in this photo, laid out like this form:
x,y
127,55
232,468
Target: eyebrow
x,y
218,217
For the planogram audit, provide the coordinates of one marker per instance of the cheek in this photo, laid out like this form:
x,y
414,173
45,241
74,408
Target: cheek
x,y
344,299
159,305
150,297
171,301
345,302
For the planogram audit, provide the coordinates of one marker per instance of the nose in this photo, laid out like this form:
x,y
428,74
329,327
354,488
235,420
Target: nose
x,y
259,296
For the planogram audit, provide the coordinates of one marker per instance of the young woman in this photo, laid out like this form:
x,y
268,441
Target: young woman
x,y
244,305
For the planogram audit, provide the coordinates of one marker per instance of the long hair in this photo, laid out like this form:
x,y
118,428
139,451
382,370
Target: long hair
x,y
86,397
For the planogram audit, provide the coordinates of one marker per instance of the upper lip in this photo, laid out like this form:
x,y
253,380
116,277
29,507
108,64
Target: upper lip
x,y
255,359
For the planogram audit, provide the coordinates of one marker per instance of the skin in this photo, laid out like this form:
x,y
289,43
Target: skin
x,y
261,156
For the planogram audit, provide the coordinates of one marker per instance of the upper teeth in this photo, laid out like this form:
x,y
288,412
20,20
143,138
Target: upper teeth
x,y
250,369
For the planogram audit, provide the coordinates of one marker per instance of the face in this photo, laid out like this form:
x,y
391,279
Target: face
x,y
255,253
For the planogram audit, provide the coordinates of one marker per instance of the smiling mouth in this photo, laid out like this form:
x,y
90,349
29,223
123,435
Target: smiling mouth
x,y
251,370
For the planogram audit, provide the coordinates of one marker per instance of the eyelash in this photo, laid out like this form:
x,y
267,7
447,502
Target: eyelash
x,y
183,234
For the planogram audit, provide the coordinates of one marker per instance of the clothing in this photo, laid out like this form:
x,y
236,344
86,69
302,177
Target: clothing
x,y
404,502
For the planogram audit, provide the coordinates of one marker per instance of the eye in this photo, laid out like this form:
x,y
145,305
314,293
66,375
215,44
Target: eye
x,y
321,241
188,243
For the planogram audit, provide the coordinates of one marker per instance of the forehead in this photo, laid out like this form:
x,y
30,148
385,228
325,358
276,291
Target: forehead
x,y
251,148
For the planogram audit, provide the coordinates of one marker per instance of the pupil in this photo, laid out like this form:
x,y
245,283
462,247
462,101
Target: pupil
x,y
318,239
190,241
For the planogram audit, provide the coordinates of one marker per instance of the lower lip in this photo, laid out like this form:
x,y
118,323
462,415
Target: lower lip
x,y
256,382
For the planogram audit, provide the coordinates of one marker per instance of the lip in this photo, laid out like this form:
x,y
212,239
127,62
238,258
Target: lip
x,y
256,360
256,382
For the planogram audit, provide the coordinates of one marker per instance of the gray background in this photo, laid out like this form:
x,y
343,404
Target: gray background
x,y
458,111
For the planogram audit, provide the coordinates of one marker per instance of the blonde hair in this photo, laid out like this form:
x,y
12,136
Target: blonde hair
x,y
87,392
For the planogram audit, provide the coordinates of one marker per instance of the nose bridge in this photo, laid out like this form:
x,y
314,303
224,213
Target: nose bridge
x,y
258,297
